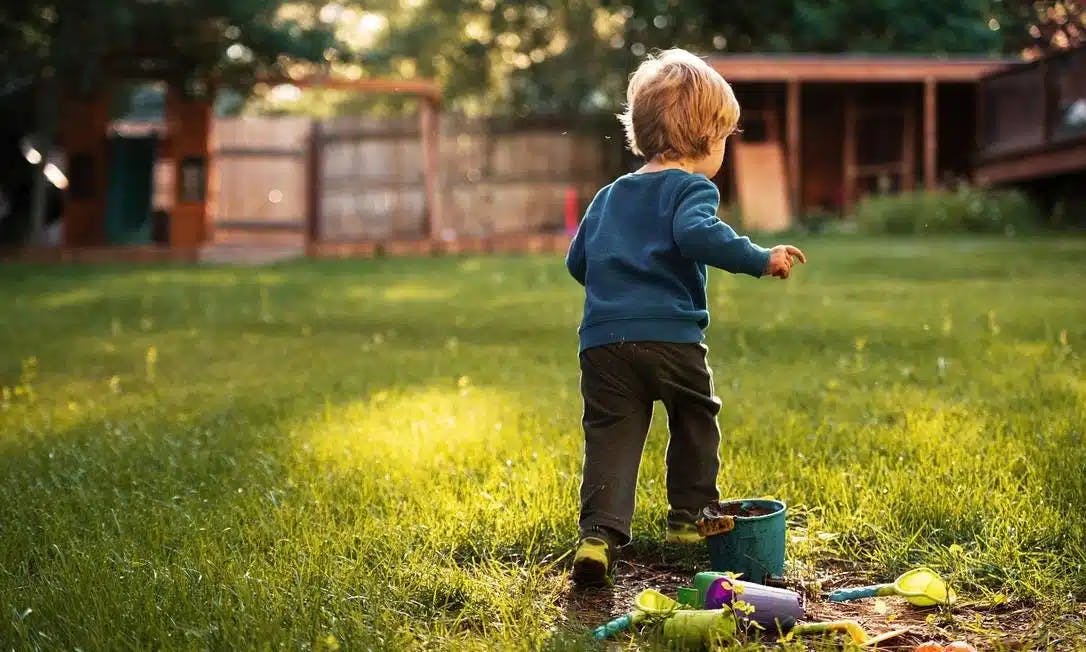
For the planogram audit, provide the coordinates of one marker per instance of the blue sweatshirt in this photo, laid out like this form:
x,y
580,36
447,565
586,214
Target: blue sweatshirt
x,y
641,252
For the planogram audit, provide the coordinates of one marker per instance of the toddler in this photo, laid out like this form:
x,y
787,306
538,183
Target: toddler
x,y
641,253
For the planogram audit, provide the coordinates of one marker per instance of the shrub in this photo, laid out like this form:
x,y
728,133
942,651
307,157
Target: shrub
x,y
964,210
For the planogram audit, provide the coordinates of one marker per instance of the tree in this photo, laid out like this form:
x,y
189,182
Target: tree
x,y
505,57
55,45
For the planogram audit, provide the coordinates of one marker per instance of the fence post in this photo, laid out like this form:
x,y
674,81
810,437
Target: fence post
x,y
931,134
430,131
571,218
314,154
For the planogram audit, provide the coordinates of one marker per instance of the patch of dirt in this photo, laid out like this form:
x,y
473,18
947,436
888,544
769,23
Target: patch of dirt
x,y
1010,625
736,509
593,607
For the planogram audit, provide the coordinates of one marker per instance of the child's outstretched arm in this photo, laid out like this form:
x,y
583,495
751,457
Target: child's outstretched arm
x,y
576,262
701,235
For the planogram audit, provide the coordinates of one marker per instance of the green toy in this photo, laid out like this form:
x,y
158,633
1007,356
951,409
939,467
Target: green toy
x,y
854,630
701,629
684,629
922,587
649,602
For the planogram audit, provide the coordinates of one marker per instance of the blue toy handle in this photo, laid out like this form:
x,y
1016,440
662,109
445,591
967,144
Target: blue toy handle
x,y
620,624
844,595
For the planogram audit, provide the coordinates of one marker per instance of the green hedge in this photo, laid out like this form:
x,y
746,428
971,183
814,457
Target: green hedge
x,y
964,210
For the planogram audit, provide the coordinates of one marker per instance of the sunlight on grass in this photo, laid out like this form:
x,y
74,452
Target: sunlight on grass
x,y
410,430
416,291
68,298
385,454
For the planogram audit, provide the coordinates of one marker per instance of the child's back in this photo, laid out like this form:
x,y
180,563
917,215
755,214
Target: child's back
x,y
641,252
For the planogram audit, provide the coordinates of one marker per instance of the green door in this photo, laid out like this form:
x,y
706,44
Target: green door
x,y
131,180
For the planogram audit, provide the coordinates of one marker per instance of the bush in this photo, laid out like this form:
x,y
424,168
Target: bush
x,y
965,210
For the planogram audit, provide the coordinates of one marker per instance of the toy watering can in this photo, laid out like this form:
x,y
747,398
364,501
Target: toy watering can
x,y
774,609
649,602
685,629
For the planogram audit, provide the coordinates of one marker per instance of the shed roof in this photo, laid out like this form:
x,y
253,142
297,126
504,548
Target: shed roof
x,y
854,68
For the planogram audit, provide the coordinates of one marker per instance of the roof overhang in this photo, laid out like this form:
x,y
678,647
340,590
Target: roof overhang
x,y
854,68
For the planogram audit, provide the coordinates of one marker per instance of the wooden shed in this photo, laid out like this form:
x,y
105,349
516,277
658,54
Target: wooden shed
x,y
821,131
116,167
1032,121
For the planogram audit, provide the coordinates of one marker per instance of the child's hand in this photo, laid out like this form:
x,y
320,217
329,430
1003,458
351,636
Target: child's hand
x,y
781,259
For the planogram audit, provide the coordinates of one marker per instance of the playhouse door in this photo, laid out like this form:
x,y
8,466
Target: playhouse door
x,y
128,204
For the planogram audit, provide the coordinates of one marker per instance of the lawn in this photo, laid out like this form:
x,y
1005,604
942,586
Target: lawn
x,y
385,454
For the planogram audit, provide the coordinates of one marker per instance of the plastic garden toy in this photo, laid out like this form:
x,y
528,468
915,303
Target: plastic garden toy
x,y
686,628
774,608
649,602
922,587
854,630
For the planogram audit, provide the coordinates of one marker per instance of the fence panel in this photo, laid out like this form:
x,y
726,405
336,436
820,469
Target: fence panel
x,y
259,172
496,177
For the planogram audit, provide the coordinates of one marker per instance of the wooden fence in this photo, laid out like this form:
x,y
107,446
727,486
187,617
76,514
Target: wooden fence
x,y
259,175
360,180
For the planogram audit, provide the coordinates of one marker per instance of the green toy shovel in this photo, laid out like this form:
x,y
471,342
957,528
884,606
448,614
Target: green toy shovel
x,y
922,587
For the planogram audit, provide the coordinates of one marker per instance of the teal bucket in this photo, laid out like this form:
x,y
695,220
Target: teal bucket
x,y
754,548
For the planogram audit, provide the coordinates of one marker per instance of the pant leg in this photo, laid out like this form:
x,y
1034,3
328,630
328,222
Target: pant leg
x,y
617,414
693,462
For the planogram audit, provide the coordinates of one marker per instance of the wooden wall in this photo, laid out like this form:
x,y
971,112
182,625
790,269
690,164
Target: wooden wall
x,y
258,178
495,177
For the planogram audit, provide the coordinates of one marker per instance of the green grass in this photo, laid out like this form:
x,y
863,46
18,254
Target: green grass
x,y
385,454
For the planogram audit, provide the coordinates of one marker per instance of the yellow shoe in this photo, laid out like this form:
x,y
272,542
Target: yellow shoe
x,y
592,563
683,534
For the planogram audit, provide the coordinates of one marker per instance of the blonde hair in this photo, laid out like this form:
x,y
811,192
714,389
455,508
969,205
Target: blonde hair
x,y
677,107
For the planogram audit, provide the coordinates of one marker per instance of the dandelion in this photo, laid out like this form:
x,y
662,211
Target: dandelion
x,y
151,359
265,311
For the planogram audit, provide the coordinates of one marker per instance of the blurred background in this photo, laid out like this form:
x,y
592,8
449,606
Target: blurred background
x,y
218,128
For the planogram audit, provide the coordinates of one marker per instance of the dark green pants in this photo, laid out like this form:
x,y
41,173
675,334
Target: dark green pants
x,y
620,383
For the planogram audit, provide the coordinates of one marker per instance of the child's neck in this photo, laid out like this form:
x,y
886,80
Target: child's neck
x,y
659,165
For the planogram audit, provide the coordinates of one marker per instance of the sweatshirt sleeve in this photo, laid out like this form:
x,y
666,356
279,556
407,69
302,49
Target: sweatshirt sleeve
x,y
701,236
576,262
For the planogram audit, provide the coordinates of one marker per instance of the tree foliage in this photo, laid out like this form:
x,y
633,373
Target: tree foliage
x,y
575,55
74,39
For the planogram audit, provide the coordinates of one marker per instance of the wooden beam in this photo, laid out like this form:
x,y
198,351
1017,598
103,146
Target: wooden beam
x,y
849,166
423,88
188,121
830,68
1022,167
431,166
908,146
793,113
930,134
313,187
82,132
